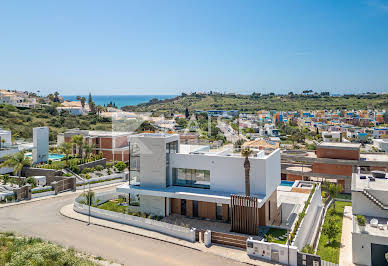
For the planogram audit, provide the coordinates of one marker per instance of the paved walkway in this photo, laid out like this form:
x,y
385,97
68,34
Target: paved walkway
x,y
346,238
230,253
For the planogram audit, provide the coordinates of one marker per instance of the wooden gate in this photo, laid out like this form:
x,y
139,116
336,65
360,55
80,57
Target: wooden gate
x,y
245,214
229,239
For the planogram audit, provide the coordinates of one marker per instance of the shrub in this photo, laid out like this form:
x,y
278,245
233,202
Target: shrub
x,y
120,166
30,180
361,220
308,249
99,167
87,170
75,169
331,229
109,165
67,174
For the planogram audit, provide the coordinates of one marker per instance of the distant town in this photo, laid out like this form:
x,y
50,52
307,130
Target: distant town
x,y
302,182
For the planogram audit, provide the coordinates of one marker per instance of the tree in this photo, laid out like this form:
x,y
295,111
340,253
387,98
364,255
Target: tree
x,y
333,190
66,148
187,114
247,166
30,180
331,229
88,149
78,140
120,166
6,179
16,161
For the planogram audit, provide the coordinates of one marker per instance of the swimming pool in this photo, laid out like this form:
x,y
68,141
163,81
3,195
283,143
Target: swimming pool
x,y
286,183
52,156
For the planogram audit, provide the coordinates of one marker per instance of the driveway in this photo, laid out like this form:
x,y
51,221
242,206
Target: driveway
x,y
346,238
42,219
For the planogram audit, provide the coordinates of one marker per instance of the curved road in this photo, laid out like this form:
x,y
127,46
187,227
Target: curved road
x,y
42,219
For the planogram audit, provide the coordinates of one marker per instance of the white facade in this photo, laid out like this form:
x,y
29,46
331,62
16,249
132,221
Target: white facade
x,y
331,136
5,138
370,199
40,150
381,144
226,174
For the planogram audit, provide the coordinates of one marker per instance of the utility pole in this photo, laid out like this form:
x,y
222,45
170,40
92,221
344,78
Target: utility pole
x,y
89,197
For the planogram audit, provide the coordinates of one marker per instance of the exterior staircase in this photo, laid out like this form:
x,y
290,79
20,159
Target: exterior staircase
x,y
374,200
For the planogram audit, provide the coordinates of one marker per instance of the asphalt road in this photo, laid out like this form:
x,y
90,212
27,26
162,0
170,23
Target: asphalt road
x,y
42,219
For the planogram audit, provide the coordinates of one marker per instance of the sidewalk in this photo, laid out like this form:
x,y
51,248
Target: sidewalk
x,y
219,250
346,238
5,205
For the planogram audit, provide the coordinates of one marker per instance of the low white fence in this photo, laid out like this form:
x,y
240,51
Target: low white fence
x,y
274,252
145,223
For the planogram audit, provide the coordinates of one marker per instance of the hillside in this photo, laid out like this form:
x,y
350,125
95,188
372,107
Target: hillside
x,y
254,102
21,122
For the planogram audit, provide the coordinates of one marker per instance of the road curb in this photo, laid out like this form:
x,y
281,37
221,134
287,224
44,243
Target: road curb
x,y
118,229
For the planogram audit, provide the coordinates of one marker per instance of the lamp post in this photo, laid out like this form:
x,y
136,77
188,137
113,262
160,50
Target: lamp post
x,y
89,197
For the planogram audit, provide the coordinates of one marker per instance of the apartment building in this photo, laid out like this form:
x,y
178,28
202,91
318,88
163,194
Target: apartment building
x,y
113,145
197,183
369,199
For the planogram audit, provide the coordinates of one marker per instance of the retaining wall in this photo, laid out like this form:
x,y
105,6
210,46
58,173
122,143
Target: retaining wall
x,y
145,223
93,164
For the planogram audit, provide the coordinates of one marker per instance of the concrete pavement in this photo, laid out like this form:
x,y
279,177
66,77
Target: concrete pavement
x,y
41,218
226,252
346,238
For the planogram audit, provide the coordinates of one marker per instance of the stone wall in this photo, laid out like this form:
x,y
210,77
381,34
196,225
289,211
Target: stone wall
x,y
93,164
30,171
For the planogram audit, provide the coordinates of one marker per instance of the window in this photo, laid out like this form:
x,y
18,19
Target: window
x,y
219,212
191,177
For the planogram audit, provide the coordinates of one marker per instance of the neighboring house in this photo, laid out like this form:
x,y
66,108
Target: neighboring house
x,y
17,98
199,184
261,144
332,136
112,145
381,144
74,108
370,199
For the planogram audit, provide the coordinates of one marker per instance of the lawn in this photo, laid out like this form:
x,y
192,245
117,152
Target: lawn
x,y
330,252
114,206
344,196
275,233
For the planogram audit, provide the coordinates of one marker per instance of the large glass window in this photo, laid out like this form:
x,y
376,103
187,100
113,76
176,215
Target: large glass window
x,y
191,177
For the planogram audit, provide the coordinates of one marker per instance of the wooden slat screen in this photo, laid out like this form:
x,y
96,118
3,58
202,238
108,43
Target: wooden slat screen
x,y
245,214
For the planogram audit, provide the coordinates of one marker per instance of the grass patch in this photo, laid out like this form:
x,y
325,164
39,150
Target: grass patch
x,y
15,250
41,191
330,252
344,196
114,206
276,233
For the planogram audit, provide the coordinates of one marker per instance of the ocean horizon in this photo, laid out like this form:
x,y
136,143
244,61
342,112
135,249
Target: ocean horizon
x,y
120,100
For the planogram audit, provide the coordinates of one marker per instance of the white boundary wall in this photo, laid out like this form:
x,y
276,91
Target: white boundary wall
x,y
308,226
145,223
264,250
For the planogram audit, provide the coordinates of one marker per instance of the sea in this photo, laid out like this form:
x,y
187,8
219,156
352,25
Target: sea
x,y
119,100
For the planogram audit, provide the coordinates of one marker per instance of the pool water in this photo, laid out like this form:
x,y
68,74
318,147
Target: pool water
x,y
52,156
286,183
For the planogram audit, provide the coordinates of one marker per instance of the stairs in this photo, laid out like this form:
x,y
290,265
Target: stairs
x,y
374,200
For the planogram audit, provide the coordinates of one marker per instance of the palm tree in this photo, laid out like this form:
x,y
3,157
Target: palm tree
x,y
88,149
65,148
6,178
78,140
333,190
16,161
247,165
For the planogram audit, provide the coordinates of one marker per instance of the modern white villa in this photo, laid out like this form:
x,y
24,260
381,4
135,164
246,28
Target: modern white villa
x,y
172,178
369,199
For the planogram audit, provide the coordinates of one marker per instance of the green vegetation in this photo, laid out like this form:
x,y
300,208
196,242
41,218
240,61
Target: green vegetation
x,y
120,166
308,249
21,121
276,235
361,220
41,191
256,101
117,206
72,163
344,196
16,251
16,161
329,245
98,181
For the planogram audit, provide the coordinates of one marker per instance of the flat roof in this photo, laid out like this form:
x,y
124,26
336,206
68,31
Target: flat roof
x,y
340,145
359,184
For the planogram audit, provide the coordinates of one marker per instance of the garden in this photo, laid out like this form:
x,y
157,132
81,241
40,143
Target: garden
x,y
330,240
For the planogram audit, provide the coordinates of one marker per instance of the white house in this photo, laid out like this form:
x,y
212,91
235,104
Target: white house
x,y
369,199
332,136
199,184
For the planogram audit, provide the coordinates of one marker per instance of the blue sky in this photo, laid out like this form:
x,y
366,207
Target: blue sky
x,y
166,47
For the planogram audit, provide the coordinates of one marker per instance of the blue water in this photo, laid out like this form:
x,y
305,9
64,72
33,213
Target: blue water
x,y
120,100
52,156
286,183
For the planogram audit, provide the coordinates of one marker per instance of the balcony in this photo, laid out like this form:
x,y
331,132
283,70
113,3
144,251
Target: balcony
x,y
375,226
